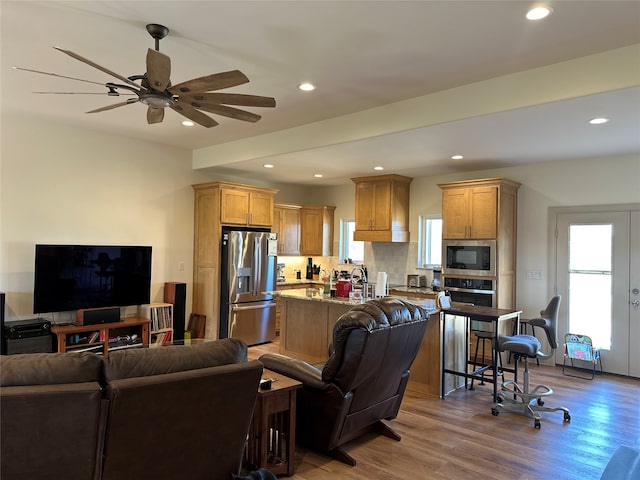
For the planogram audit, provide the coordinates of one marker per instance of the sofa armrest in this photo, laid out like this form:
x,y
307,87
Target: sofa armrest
x,y
304,372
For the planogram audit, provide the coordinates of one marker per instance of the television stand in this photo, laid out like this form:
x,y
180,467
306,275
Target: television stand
x,y
67,340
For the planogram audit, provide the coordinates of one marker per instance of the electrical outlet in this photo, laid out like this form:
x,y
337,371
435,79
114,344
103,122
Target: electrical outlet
x,y
534,275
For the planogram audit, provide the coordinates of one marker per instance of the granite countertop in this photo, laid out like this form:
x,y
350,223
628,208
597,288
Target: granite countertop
x,y
423,290
299,282
315,295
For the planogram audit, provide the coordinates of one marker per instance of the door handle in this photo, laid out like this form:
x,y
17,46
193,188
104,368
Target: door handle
x,y
236,308
635,304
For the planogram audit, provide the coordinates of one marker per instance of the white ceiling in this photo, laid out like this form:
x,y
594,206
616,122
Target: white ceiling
x,y
368,58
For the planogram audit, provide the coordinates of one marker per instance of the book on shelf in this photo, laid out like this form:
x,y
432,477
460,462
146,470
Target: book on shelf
x,y
94,337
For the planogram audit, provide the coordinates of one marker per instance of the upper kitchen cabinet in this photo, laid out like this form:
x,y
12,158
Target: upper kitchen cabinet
x,y
316,230
246,205
478,209
286,223
382,208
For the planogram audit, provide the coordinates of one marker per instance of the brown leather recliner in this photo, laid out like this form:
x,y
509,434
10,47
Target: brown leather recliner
x,y
363,382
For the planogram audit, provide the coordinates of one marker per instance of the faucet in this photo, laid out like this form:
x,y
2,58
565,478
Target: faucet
x,y
362,279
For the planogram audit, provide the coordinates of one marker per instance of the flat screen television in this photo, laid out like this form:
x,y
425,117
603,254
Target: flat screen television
x,y
73,277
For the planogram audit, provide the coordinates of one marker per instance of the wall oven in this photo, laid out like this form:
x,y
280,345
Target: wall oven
x,y
479,291
469,258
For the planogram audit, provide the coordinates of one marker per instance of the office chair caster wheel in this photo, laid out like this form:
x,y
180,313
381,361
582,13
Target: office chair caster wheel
x,y
540,402
494,411
499,399
567,417
537,424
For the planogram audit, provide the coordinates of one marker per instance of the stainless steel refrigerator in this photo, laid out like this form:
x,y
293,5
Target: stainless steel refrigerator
x,y
248,276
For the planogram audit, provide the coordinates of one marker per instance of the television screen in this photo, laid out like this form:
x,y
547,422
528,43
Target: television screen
x,y
72,277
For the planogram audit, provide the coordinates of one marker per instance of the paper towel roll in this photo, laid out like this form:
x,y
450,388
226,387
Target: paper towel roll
x,y
381,284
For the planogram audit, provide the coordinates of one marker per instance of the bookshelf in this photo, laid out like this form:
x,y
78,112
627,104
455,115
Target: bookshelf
x,y
101,338
161,322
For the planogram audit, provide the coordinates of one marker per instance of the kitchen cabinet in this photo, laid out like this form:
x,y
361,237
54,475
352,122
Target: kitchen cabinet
x,y
382,208
245,205
316,230
217,204
476,209
485,209
286,223
289,286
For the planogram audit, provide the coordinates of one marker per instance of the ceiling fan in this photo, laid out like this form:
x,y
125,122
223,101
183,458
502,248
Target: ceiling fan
x,y
190,98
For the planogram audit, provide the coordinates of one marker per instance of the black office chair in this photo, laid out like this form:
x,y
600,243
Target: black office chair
x,y
522,400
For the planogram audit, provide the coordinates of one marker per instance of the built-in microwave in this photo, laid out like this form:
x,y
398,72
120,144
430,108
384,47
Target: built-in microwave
x,y
469,257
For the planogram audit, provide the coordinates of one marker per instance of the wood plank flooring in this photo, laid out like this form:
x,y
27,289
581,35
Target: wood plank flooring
x,y
458,438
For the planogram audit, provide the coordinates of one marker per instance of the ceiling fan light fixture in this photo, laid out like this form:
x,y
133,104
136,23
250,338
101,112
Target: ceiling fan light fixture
x,y
318,175
267,165
598,120
188,123
456,157
156,101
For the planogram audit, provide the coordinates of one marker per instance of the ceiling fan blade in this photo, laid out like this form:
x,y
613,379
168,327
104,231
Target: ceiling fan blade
x,y
115,105
214,81
81,93
230,99
56,75
192,114
99,67
158,70
154,115
225,111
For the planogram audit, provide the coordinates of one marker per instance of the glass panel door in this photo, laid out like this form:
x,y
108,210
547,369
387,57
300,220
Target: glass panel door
x,y
592,275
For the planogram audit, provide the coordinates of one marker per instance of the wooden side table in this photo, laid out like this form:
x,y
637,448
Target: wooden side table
x,y
272,434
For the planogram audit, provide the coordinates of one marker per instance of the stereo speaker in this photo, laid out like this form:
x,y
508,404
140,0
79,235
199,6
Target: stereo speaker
x,y
3,338
176,294
94,316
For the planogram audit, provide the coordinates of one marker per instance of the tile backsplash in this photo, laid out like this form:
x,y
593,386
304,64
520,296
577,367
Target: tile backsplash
x,y
397,259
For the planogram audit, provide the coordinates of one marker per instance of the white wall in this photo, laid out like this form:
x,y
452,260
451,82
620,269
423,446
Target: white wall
x,y
63,185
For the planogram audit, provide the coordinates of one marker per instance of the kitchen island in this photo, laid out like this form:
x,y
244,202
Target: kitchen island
x,y
307,321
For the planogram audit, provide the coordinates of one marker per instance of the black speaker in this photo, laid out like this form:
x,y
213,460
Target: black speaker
x,y
94,316
176,294
3,338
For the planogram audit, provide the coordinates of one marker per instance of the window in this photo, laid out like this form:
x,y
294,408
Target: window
x,y
349,248
429,241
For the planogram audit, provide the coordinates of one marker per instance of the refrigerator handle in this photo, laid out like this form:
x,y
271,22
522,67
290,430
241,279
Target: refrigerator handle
x,y
257,272
236,308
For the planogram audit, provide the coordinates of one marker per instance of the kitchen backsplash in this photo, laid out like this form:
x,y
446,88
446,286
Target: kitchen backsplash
x,y
397,259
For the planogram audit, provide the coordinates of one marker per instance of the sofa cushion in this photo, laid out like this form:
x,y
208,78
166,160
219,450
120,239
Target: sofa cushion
x,y
49,368
144,362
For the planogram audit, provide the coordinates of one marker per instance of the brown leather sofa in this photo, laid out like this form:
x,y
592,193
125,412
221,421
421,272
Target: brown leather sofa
x,y
363,382
163,413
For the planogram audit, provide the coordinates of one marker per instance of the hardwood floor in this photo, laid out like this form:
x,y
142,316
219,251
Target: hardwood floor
x,y
458,438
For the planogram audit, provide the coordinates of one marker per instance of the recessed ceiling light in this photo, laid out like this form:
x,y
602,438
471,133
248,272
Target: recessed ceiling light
x,y
318,175
457,157
598,121
267,165
538,13
187,123
378,168
307,87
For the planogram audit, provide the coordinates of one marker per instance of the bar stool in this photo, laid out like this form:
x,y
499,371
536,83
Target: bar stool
x,y
482,336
